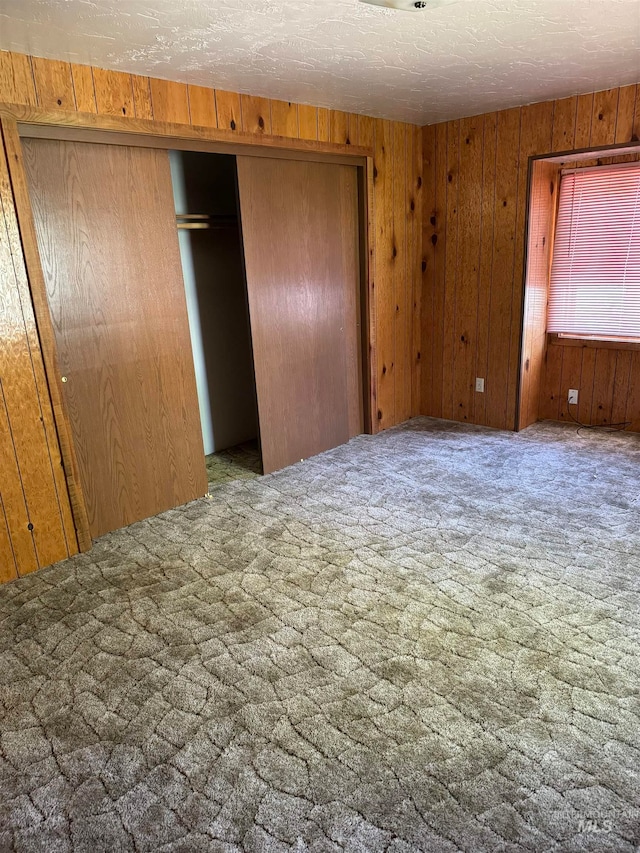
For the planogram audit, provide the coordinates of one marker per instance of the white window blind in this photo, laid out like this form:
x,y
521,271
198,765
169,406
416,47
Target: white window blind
x,y
595,273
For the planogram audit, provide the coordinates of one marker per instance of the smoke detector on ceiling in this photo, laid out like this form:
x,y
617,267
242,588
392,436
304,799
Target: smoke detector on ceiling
x,y
410,5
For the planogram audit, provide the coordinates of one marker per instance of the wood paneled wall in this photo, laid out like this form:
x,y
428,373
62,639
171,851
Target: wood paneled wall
x,y
31,482
543,203
475,175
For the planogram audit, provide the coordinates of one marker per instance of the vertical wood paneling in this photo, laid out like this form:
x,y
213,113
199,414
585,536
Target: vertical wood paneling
x,y
479,202
228,110
114,92
202,106
621,386
85,94
169,101
450,268
626,110
633,394
307,121
339,127
141,87
256,114
324,128
284,119
584,117
384,272
365,131
535,138
16,79
438,226
8,565
486,258
466,299
604,117
542,207
505,216
30,462
54,84
401,316
417,258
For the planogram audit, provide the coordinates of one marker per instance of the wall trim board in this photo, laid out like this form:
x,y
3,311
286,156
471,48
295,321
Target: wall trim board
x,y
40,124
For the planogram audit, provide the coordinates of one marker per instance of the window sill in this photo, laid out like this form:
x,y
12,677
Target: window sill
x,y
593,343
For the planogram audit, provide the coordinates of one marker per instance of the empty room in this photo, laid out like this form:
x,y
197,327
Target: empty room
x,y
319,426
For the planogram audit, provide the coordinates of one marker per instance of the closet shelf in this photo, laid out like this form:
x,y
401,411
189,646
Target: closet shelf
x,y
200,221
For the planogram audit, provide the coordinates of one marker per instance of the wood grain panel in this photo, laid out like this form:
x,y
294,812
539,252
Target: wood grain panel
x,y
27,406
365,125
401,279
121,327
324,128
54,84
256,114
202,106
114,92
284,119
8,565
16,79
625,114
170,101
542,209
416,255
228,110
141,87
84,91
486,258
384,293
604,118
450,268
303,303
535,138
466,296
307,122
16,514
46,370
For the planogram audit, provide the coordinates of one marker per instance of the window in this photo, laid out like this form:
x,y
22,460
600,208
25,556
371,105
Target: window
x,y
595,273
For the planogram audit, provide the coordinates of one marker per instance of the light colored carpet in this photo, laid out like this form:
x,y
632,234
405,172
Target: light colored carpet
x,y
242,462
426,640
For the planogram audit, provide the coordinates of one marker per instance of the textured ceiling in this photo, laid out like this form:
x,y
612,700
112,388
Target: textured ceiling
x,y
461,58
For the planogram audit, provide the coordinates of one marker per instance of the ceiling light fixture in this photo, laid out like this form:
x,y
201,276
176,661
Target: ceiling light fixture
x,y
410,5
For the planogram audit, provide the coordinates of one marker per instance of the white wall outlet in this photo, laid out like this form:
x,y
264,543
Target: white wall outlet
x,y
479,384
573,397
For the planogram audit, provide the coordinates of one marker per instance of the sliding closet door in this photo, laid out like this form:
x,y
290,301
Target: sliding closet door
x,y
105,223
300,233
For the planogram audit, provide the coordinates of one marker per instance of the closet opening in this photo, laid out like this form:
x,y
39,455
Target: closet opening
x,y
205,190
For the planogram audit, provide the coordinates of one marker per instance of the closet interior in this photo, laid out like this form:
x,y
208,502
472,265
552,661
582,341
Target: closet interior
x,y
209,234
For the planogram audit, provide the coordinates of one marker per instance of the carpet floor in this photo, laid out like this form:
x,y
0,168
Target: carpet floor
x,y
236,463
426,640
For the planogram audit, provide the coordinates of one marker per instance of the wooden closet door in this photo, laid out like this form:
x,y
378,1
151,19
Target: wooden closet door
x,y
105,222
300,234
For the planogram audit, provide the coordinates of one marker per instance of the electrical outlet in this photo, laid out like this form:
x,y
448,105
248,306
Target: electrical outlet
x,y
479,384
573,397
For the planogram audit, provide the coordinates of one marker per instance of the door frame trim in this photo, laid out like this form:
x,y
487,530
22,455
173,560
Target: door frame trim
x,y
18,121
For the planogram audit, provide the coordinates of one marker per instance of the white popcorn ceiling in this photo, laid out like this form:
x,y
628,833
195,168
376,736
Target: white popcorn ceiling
x,y
458,59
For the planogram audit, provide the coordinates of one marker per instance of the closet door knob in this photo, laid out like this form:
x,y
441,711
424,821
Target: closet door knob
x,y
64,379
